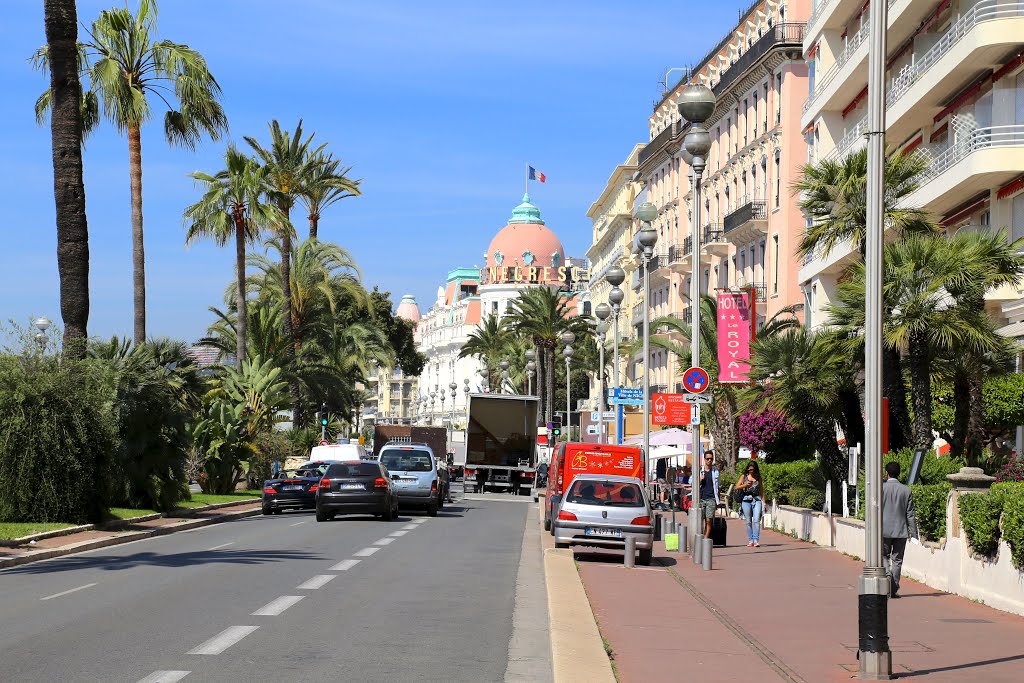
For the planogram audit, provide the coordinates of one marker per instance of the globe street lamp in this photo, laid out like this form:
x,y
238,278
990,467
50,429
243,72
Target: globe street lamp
x,y
568,338
696,104
42,324
455,392
615,277
433,397
646,239
465,390
602,311
504,365
530,367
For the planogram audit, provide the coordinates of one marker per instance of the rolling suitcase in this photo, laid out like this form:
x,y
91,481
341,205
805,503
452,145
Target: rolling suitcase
x,y
718,528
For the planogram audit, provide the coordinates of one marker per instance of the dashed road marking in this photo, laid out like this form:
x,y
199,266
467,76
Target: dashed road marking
x,y
398,534
421,520
316,582
365,552
72,590
165,676
345,565
298,523
222,545
223,640
276,606
384,541
410,527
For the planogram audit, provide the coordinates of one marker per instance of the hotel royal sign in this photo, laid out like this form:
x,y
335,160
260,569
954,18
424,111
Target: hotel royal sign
x,y
534,275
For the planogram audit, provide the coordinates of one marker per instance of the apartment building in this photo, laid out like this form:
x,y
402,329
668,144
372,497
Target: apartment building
x,y
954,92
750,221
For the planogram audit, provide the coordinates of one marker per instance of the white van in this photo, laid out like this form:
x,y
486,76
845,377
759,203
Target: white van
x,y
340,452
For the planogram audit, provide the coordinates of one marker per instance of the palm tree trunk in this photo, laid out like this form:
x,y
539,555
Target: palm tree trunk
x,y
314,226
896,392
549,381
921,389
68,187
975,416
240,304
853,416
823,434
289,330
138,242
961,413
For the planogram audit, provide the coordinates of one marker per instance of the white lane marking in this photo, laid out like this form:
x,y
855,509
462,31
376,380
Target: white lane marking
x,y
344,565
384,541
73,590
421,520
398,534
165,676
410,527
223,640
316,582
365,552
276,606
222,545
298,523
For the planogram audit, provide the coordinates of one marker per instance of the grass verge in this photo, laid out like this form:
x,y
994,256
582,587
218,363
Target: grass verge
x,y
201,499
9,530
129,513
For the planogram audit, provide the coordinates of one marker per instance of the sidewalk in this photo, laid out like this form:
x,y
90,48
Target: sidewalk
x,y
80,541
785,611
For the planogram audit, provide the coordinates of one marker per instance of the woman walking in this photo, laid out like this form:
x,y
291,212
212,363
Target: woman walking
x,y
751,489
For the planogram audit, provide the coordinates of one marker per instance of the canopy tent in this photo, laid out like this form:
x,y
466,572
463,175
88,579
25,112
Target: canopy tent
x,y
663,437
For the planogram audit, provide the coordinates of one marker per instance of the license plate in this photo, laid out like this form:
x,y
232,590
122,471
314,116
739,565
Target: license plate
x,y
291,488
351,486
597,531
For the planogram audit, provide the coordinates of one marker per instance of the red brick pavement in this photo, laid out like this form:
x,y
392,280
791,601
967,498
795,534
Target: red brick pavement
x,y
784,611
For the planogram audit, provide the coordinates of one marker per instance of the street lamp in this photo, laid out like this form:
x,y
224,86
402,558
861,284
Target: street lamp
x,y
530,367
465,390
615,277
504,365
42,324
646,239
455,392
696,104
433,397
568,338
602,311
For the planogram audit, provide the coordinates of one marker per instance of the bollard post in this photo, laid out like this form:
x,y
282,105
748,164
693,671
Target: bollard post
x,y
671,526
705,555
697,547
684,545
629,557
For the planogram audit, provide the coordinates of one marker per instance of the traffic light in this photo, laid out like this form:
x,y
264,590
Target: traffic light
x,y
323,414
556,427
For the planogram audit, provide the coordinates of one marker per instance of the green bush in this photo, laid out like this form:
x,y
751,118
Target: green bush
x,y
933,469
930,507
1013,528
56,437
979,514
799,478
805,497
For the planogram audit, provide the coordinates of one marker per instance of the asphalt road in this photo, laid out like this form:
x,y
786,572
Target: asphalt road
x,y
277,598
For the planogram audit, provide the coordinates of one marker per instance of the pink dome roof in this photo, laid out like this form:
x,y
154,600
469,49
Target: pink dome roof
x,y
408,309
526,241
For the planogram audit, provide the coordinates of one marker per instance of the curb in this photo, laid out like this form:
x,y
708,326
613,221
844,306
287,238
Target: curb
x,y
577,651
51,553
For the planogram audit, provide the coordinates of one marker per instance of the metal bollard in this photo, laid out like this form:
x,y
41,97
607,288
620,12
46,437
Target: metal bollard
x,y
708,544
629,557
697,547
670,526
684,545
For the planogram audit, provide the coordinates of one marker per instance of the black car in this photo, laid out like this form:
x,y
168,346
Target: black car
x,y
358,487
293,489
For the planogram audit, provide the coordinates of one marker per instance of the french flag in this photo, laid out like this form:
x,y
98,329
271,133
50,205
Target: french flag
x,y
537,175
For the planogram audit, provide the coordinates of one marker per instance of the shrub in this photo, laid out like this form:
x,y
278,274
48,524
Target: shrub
x,y
1011,471
930,507
758,431
56,437
805,497
1013,527
798,478
933,469
979,514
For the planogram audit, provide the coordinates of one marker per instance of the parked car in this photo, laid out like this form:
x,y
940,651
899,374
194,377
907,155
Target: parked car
x,y
602,511
356,487
415,474
573,459
292,490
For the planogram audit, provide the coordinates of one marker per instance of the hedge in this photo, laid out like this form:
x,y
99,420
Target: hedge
x,y
981,514
800,483
930,508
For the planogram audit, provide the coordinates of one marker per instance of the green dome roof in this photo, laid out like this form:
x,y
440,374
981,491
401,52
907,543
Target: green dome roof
x,y
526,212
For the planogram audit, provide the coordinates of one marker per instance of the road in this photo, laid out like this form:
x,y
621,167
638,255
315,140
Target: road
x,y
283,597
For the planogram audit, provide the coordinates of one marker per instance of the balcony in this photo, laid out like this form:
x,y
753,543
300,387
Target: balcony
x,y
679,256
713,240
637,318
980,160
781,36
747,223
980,39
659,264
850,138
672,137
834,88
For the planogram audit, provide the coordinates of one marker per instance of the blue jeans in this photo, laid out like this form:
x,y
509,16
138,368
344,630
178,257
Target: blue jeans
x,y
752,510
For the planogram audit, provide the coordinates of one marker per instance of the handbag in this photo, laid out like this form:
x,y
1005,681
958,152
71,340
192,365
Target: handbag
x,y
737,495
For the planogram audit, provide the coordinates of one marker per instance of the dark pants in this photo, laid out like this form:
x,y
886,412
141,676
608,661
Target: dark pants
x,y
892,560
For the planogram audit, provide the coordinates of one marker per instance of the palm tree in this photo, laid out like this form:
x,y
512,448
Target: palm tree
x,y
326,184
233,206
66,131
489,342
127,66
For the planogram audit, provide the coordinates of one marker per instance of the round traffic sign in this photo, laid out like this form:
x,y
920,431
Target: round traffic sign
x,y
696,380
325,442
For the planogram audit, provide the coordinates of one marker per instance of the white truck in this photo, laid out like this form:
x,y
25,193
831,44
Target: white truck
x,y
501,442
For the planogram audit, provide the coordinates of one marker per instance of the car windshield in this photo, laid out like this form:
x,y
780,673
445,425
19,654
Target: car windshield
x,y
401,460
607,493
354,469
314,468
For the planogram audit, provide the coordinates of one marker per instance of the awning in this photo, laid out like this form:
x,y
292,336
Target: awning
x,y
1013,330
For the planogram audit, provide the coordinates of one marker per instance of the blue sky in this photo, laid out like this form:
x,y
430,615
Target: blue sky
x,y
437,106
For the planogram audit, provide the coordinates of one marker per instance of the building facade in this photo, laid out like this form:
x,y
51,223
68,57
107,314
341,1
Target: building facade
x,y
392,395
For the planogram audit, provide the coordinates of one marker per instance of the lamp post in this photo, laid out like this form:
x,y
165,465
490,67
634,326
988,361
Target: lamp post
x,y
602,311
647,238
568,338
433,397
696,104
504,365
42,324
465,390
615,277
454,388
530,367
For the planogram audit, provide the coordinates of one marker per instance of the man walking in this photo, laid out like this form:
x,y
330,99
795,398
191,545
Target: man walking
x,y
898,524
708,491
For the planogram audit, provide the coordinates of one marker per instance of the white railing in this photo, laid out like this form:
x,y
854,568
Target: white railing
x,y
817,13
986,10
820,84
849,138
980,138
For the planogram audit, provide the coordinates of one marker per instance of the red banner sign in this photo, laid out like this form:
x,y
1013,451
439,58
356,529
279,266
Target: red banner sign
x,y
669,409
734,325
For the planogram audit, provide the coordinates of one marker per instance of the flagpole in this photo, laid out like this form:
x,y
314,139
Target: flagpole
x,y
526,183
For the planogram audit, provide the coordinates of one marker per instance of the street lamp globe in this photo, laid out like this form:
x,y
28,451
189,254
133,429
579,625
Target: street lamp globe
x,y
697,142
453,386
530,367
568,337
42,323
646,212
568,353
616,296
530,354
602,328
504,364
602,311
647,238
615,276
696,103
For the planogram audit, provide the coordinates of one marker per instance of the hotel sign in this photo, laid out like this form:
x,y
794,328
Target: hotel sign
x,y
533,275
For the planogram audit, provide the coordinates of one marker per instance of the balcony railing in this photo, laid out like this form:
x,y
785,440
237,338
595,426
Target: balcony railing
x,y
980,138
817,12
638,314
712,232
660,141
755,210
986,10
659,388
781,35
822,82
849,139
677,252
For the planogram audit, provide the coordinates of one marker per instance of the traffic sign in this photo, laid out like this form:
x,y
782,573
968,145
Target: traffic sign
x,y
325,442
695,415
696,398
597,416
669,409
625,396
696,380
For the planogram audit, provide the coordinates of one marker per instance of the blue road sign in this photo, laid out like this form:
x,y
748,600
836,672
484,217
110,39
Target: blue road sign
x,y
625,396
696,380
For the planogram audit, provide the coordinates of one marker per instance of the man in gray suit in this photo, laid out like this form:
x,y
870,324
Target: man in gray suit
x,y
898,525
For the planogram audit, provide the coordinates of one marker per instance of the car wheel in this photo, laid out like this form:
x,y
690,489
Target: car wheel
x,y
561,545
321,516
267,510
432,508
645,555
389,513
547,523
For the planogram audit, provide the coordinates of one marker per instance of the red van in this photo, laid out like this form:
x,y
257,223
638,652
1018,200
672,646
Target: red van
x,y
570,459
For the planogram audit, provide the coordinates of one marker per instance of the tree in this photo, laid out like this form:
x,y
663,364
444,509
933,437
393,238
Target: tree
x,y
326,183
126,66
233,205
489,343
66,132
398,332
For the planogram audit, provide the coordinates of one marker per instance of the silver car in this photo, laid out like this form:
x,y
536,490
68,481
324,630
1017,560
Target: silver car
x,y
602,511
415,475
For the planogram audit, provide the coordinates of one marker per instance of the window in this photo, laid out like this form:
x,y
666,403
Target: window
x,y
607,493
753,114
778,177
746,118
775,260
407,460
362,469
778,97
